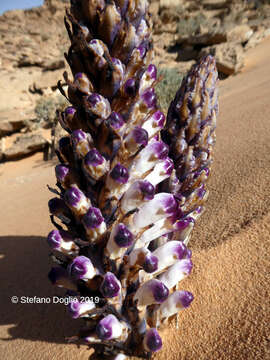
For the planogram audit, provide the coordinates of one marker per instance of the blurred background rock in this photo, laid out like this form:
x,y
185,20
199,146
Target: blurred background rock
x,y
33,43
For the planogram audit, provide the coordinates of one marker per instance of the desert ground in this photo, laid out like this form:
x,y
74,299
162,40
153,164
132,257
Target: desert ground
x,y
229,318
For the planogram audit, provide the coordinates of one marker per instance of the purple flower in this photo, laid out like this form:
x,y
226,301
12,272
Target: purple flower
x,y
161,206
109,328
78,309
152,341
81,268
178,300
138,193
120,174
151,292
110,286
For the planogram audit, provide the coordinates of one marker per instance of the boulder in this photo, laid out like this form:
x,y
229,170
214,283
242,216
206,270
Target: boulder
x,y
229,57
167,4
25,144
239,33
215,4
8,127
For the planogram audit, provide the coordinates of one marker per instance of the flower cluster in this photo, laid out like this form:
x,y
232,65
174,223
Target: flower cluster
x,y
130,183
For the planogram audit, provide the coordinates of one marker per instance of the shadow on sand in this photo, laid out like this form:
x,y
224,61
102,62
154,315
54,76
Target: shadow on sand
x,y
24,266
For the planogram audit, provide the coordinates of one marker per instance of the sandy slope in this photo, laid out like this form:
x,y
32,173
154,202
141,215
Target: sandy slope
x,y
230,315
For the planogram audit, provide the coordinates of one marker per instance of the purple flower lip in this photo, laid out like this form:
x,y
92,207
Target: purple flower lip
x,y
186,298
78,136
80,267
54,239
147,189
160,292
110,286
153,340
93,42
78,76
170,205
201,192
70,111
109,328
120,174
183,224
188,254
123,237
152,71
104,331
150,263
140,136
74,309
161,149
159,118
93,218
93,158
207,171
130,87
93,99
115,120
61,171
149,97
73,196
186,266
180,250
168,166
116,61
142,51
77,308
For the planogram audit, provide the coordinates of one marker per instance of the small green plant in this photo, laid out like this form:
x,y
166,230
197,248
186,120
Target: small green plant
x,y
191,25
167,87
46,107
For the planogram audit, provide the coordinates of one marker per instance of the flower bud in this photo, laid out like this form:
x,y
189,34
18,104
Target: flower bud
x,y
95,164
109,328
161,171
116,121
79,309
99,106
94,224
111,286
176,273
138,193
82,83
149,98
76,200
150,264
61,240
177,301
148,157
154,123
82,142
148,78
151,292
152,341
120,239
81,268
135,139
119,174
161,206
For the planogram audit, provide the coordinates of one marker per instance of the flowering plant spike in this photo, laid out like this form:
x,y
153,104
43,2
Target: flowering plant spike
x,y
131,183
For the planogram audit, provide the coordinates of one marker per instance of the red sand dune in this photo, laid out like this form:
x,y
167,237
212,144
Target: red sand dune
x,y
229,318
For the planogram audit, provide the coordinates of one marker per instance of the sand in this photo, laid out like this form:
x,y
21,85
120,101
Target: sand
x,y
229,318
